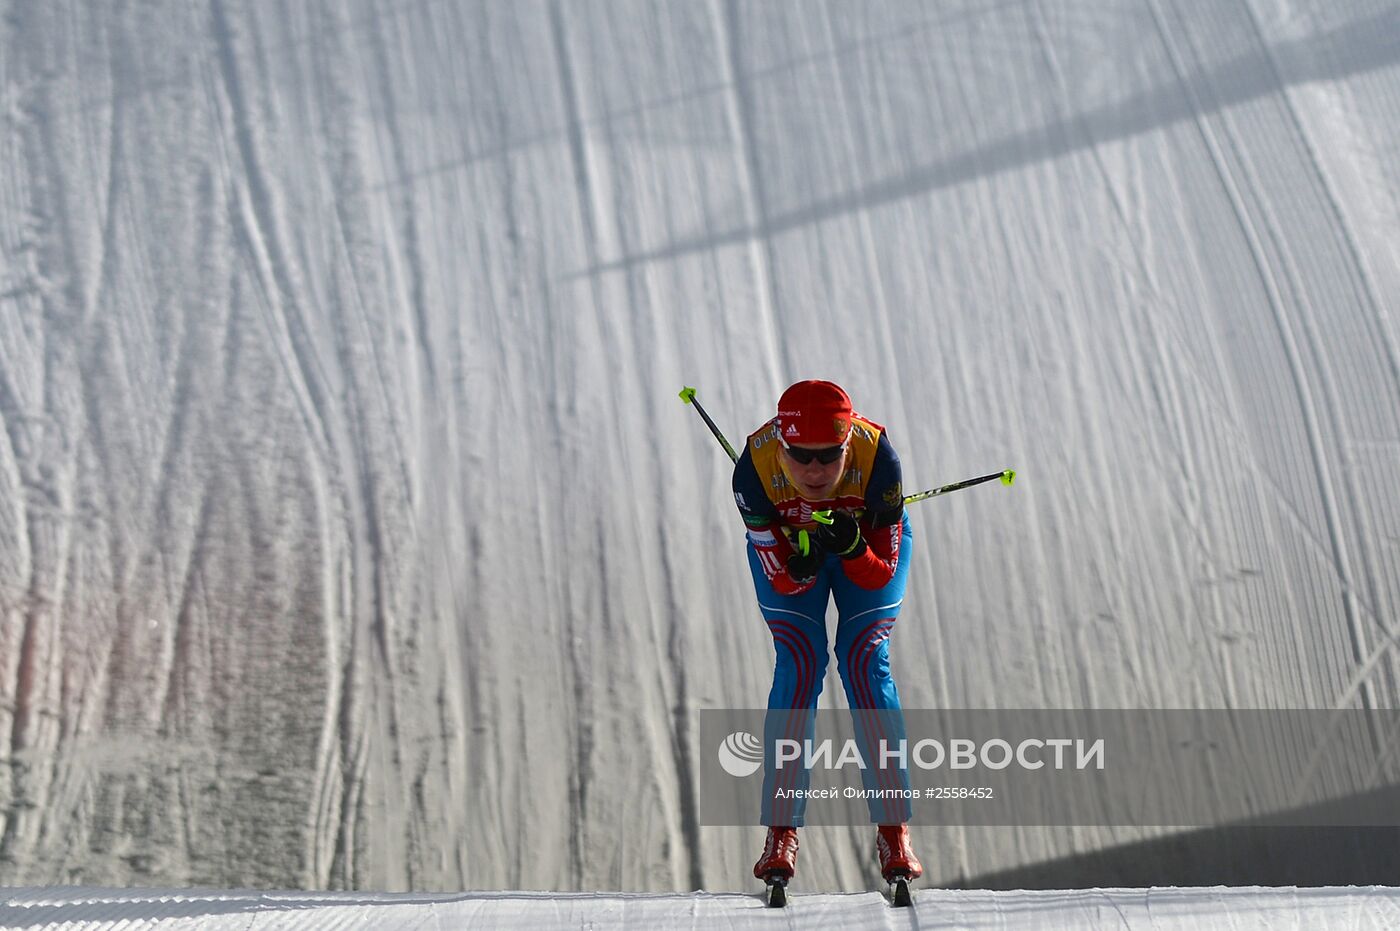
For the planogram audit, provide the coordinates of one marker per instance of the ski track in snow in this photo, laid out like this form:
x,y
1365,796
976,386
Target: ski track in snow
x,y
351,536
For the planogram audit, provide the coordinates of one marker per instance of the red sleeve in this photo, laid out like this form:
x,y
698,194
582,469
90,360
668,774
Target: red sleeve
x,y
875,567
773,550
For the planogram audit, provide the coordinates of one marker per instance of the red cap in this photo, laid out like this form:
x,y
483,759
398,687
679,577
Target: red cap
x,y
814,412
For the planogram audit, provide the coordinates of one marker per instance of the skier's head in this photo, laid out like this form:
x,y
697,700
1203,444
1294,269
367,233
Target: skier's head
x,y
814,412
814,424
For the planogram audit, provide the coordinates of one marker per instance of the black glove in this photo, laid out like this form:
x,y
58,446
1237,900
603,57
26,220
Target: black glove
x,y
841,536
803,569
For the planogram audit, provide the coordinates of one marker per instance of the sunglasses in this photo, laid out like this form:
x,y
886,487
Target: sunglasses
x,y
826,456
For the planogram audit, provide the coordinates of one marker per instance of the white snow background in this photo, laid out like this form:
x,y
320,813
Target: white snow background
x,y
352,534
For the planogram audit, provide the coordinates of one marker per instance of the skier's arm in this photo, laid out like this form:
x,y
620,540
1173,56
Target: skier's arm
x,y
765,528
882,526
875,565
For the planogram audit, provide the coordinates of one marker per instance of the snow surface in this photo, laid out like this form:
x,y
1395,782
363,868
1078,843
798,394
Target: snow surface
x,y
353,535
1161,909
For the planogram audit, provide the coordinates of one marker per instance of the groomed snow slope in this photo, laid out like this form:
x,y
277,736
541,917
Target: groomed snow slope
x,y
352,534
1357,909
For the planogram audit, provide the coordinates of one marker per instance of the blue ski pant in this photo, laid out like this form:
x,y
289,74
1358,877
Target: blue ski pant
x,y
798,624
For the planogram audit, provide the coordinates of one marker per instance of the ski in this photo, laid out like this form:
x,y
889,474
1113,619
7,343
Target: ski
x,y
775,893
900,896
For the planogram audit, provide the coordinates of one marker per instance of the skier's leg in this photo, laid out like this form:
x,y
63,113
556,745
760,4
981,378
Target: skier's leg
x,y
867,618
798,626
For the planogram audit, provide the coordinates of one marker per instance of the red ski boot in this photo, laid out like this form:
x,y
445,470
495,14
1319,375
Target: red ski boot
x,y
896,854
779,854
776,866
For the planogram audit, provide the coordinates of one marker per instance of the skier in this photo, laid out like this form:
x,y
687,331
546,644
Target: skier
x,y
818,455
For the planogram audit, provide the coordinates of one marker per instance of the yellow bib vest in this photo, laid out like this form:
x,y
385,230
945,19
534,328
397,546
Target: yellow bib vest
x,y
849,493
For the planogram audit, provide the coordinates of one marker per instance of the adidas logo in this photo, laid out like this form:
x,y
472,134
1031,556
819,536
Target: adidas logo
x,y
791,430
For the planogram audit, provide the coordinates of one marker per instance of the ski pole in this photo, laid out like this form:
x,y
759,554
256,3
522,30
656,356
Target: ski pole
x,y
1007,476
688,396
800,539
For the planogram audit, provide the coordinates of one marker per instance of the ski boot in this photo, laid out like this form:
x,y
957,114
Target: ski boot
x,y
898,864
777,865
